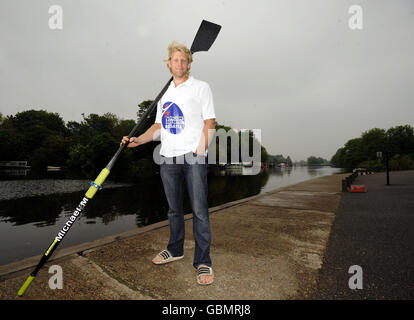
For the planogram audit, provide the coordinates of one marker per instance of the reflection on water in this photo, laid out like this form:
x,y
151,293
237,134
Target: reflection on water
x,y
28,224
13,173
281,177
14,189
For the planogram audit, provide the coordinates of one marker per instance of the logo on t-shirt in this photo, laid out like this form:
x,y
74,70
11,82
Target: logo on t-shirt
x,y
172,118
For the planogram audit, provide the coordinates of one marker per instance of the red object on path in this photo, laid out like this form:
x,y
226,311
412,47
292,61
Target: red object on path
x,y
360,188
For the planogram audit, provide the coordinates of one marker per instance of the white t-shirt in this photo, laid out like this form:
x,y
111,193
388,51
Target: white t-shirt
x,y
181,112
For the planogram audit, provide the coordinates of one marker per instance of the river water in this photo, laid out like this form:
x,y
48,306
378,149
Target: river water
x,y
32,212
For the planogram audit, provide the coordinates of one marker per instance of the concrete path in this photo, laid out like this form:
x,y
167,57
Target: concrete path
x,y
270,246
374,230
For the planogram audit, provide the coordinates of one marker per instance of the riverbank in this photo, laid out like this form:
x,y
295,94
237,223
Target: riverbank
x,y
269,246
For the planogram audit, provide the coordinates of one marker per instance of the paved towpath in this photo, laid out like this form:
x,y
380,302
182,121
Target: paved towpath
x,y
375,231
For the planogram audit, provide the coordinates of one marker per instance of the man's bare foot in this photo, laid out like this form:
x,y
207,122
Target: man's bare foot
x,y
205,275
157,259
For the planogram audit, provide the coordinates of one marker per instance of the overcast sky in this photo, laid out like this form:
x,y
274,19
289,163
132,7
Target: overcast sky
x,y
294,69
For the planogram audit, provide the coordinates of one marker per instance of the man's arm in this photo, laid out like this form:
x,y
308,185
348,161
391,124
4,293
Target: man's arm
x,y
151,134
206,136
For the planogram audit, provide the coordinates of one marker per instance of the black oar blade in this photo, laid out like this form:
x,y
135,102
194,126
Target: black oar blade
x,y
205,37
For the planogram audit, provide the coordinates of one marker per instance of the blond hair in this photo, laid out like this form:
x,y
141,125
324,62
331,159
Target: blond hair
x,y
176,46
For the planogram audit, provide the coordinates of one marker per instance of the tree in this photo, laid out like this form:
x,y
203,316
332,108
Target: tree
x,y
104,123
27,136
353,153
11,141
148,122
338,158
372,141
401,139
312,160
25,120
362,152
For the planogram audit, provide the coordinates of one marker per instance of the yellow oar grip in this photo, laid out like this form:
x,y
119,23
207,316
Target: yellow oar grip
x,y
25,285
98,181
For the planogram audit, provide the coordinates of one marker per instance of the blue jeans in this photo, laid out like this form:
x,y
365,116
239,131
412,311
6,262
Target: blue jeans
x,y
173,173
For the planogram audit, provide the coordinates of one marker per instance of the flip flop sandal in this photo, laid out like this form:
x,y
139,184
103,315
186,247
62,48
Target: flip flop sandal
x,y
204,271
167,257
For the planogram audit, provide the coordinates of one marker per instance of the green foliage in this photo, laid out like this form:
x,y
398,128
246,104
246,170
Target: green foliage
x,y
276,159
94,141
52,151
362,152
142,108
27,120
401,139
312,160
372,165
10,142
401,162
36,136
84,148
372,141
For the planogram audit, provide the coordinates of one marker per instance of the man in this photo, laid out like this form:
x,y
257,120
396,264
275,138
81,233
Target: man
x,y
184,116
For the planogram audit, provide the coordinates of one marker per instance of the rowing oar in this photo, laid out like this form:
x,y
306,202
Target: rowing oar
x,y
205,37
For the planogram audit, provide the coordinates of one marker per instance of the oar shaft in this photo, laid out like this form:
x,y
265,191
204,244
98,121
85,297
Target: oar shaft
x,y
152,106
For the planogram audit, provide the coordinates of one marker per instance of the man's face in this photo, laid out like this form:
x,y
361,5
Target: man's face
x,y
179,64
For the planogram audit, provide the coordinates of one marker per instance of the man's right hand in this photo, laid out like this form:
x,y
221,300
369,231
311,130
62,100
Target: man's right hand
x,y
132,142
